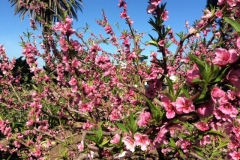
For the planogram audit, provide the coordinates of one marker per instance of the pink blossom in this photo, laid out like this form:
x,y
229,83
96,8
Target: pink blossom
x,y
220,115
155,2
238,43
175,129
115,114
76,63
236,131
233,144
80,146
87,126
129,143
115,139
161,43
217,34
141,140
233,56
234,77
123,4
203,126
205,109
192,30
235,155
220,2
164,15
75,44
85,107
224,57
231,95
183,105
65,28
167,105
193,74
228,109
205,140
232,3
144,119
17,144
208,14
63,44
151,8
161,136
184,145
219,95
108,29
73,81
30,122
218,13
123,14
95,48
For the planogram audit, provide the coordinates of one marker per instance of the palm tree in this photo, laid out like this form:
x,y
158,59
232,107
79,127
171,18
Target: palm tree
x,y
54,9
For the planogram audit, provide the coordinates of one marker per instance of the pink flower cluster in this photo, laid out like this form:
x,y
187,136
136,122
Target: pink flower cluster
x,y
65,27
153,5
224,57
141,140
181,106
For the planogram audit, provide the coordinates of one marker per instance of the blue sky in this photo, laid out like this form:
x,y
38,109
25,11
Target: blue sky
x,y
179,11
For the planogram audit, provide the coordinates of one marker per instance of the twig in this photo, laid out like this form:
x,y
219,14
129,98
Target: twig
x,y
48,134
16,93
196,156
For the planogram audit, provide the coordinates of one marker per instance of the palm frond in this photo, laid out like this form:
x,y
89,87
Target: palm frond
x,y
53,11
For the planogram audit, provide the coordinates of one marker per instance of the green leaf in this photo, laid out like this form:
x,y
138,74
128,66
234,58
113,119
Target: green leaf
x,y
35,87
199,81
154,110
208,73
183,91
216,153
99,134
104,142
168,44
215,133
122,127
181,153
180,35
201,65
215,71
133,124
199,153
151,37
92,138
154,43
233,23
221,75
203,97
172,143
170,86
143,57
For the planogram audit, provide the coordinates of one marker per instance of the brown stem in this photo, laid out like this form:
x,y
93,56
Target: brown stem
x,y
19,99
48,134
195,96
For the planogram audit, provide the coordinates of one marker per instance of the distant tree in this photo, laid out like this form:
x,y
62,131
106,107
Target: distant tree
x,y
54,8
22,69
53,11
